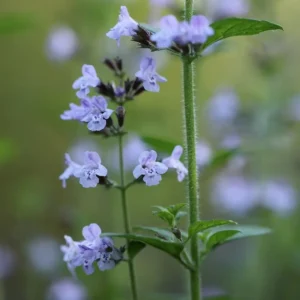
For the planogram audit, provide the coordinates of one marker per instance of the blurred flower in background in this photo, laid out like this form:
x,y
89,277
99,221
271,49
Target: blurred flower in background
x,y
223,108
278,196
66,289
234,193
62,43
220,9
7,261
44,255
203,153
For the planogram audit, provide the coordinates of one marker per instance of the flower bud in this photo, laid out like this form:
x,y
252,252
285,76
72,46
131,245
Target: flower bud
x,y
120,112
115,65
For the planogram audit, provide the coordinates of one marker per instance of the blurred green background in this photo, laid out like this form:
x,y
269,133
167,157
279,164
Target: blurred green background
x,y
36,211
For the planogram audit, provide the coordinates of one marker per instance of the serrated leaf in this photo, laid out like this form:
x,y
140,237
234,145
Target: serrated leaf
x,y
219,238
238,27
159,145
159,232
134,248
15,22
204,225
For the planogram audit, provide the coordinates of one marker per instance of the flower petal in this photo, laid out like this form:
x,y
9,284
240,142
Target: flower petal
x,y
91,232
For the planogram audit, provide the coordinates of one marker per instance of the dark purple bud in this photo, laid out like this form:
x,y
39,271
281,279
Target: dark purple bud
x,y
115,65
120,112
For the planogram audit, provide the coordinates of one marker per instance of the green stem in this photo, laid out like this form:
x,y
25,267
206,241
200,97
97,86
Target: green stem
x,y
190,144
126,219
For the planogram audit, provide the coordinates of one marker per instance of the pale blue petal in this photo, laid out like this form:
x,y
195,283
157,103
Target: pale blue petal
x,y
101,171
160,168
138,171
88,70
91,157
91,232
152,180
177,152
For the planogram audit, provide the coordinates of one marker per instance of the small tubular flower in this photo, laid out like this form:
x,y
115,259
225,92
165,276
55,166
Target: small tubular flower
x,y
93,249
148,75
126,26
173,162
88,79
89,172
72,167
92,111
149,168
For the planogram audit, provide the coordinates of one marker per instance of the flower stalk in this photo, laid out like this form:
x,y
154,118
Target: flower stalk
x,y
190,144
126,218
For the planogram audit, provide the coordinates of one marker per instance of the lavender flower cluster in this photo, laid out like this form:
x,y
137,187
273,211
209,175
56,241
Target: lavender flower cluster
x,y
93,249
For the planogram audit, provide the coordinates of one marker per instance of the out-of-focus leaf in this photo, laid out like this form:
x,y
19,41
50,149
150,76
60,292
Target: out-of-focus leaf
x,y
204,225
134,248
219,160
246,231
159,145
176,208
219,238
238,27
7,151
159,232
15,22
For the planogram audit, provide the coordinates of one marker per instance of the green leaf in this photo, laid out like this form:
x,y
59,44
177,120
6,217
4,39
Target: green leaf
x,y
219,238
246,231
164,214
15,22
204,225
134,248
238,27
172,248
159,232
159,145
176,208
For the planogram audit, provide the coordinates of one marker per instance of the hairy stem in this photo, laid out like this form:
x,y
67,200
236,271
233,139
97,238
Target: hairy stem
x,y
126,219
190,144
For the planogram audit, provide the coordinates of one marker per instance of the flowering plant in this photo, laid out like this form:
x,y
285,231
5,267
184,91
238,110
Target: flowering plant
x,y
186,39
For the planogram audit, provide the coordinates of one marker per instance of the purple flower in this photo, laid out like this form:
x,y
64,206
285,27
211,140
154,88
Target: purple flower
x,y
223,107
234,193
43,253
93,111
173,162
89,79
72,167
279,196
92,249
97,116
199,29
149,168
66,289
169,29
62,43
77,112
203,153
148,75
196,31
7,261
87,173
126,26
92,168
